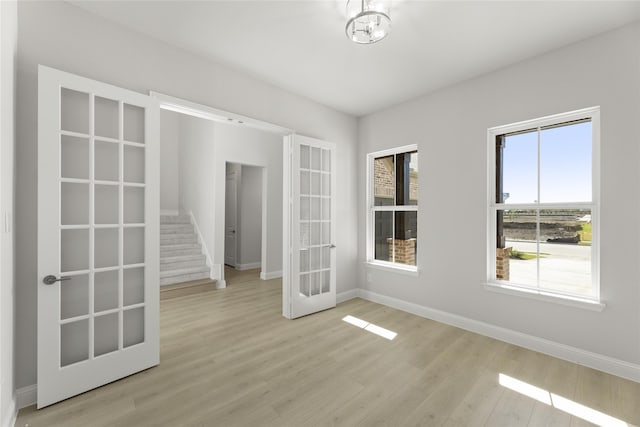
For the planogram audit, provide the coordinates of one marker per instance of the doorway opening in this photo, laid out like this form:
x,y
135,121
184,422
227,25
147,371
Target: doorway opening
x,y
199,149
244,201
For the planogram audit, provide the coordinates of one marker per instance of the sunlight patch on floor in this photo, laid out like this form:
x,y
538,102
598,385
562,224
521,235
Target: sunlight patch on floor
x,y
370,327
559,402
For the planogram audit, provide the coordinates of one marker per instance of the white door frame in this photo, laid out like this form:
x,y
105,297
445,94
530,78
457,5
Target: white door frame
x,y
237,180
193,109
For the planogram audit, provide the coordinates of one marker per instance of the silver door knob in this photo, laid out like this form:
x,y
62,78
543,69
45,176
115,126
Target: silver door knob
x,y
51,279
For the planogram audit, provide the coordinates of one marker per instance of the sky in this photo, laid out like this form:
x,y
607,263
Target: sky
x,y
565,165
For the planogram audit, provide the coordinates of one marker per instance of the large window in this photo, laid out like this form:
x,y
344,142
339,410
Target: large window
x,y
392,200
543,208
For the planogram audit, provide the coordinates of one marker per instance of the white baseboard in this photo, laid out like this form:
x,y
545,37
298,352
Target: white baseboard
x,y
347,295
9,419
172,212
597,361
26,396
221,284
248,266
270,275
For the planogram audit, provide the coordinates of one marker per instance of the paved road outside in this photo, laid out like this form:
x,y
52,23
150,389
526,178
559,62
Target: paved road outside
x,y
563,267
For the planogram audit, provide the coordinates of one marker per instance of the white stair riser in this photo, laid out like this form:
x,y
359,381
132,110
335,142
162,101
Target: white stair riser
x,y
168,253
183,278
170,219
179,265
182,229
177,240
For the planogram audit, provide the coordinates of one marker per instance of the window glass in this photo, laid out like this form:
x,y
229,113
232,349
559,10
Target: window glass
x,y
565,163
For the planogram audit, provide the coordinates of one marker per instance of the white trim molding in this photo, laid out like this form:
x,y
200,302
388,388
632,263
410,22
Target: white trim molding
x,y
597,361
26,396
248,266
268,275
347,295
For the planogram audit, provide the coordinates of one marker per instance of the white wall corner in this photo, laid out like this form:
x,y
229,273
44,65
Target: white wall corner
x,y
270,275
26,396
203,246
9,417
221,284
347,295
600,362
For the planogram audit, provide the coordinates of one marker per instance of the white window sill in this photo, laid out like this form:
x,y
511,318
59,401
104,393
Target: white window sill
x,y
547,297
394,268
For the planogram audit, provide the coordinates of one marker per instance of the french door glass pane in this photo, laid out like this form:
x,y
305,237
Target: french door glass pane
x,y
105,285
133,285
133,245
133,164
105,334
133,205
106,247
74,203
133,327
106,204
106,161
74,297
74,342
74,250
106,117
134,123
74,111
74,157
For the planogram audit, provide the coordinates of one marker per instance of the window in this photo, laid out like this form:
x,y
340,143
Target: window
x,y
543,205
392,201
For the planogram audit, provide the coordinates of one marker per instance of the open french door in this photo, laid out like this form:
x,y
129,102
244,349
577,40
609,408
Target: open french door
x,y
309,258
98,234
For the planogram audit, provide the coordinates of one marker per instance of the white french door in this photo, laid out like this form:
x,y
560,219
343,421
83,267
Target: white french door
x,y
98,234
309,258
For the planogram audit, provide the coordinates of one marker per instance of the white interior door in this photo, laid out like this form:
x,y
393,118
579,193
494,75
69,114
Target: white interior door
x,y
98,234
309,259
231,218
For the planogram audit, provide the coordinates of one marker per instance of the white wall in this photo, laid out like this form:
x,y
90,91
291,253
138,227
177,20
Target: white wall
x,y
450,128
60,35
250,216
169,162
8,49
196,174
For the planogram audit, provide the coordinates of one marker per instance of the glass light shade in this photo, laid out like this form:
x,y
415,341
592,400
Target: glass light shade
x,y
368,20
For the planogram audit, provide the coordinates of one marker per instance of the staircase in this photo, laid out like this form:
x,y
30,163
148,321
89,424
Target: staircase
x,y
181,257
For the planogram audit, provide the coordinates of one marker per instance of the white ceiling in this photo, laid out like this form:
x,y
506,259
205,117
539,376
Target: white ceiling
x,y
300,45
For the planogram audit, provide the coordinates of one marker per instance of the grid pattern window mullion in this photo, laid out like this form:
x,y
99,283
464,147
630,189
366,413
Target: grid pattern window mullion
x,y
92,224
120,225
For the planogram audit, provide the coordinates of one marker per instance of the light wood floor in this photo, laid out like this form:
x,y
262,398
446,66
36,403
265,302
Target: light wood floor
x,y
228,358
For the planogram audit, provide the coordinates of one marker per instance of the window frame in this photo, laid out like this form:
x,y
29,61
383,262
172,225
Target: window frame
x,y
372,209
592,113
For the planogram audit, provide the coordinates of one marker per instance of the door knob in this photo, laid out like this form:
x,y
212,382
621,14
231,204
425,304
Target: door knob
x,y
51,279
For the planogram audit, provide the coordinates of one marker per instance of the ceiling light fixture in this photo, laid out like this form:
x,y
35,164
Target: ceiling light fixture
x,y
368,20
